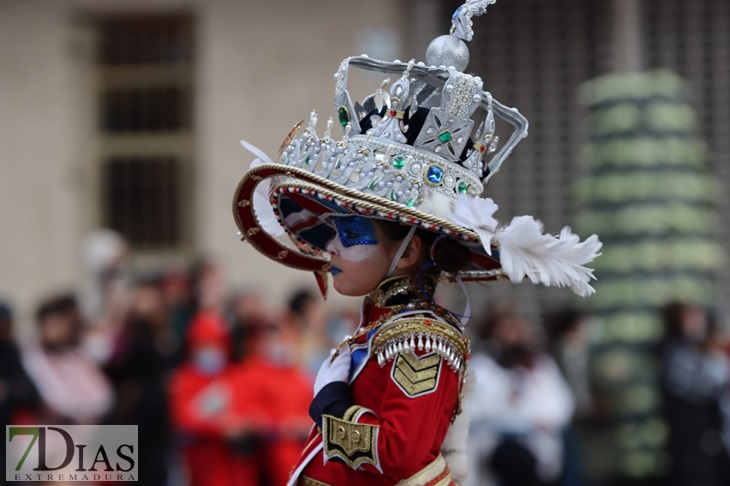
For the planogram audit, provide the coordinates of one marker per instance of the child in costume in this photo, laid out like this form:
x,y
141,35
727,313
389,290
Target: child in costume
x,y
390,211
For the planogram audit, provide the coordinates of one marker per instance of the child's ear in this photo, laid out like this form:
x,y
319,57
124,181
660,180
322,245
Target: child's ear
x,y
412,255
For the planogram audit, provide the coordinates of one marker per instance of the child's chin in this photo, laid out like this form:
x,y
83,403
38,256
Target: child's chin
x,y
343,289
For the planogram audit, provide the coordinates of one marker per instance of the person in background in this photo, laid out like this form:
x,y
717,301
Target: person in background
x,y
272,377
176,287
105,258
521,406
247,312
105,293
344,322
72,387
309,309
18,396
569,345
214,425
695,385
208,285
139,370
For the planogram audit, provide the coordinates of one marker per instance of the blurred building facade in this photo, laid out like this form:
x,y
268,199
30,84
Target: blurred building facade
x,y
538,55
535,55
127,114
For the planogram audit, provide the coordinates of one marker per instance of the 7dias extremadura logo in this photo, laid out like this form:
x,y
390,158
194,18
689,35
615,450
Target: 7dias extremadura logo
x,y
71,453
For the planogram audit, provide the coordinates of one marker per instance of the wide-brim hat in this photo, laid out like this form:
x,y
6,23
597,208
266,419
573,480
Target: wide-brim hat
x,y
301,201
418,154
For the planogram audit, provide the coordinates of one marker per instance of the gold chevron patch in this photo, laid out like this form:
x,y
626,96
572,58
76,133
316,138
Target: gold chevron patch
x,y
416,375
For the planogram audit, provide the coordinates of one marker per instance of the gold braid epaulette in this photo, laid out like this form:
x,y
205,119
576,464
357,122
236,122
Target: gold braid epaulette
x,y
425,334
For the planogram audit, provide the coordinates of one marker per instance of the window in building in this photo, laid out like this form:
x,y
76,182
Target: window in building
x,y
145,99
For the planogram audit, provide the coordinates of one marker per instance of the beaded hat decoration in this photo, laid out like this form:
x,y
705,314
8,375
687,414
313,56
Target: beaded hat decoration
x,y
409,153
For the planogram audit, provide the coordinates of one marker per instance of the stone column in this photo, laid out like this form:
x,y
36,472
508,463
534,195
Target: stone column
x,y
627,42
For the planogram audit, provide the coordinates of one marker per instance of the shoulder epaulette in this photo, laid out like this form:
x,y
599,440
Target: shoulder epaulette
x,y
424,333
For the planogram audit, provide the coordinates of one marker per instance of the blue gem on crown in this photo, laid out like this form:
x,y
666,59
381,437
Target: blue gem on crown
x,y
435,174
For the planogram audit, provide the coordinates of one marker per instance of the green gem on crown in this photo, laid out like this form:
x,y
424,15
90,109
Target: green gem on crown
x,y
463,187
343,116
445,136
399,162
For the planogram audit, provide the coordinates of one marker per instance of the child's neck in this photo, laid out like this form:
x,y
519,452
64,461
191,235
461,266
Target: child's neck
x,y
402,289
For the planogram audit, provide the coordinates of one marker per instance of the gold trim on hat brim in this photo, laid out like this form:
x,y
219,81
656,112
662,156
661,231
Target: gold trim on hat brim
x,y
349,199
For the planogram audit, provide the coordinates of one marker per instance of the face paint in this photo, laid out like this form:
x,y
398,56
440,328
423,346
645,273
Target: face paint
x,y
355,230
356,239
359,257
355,253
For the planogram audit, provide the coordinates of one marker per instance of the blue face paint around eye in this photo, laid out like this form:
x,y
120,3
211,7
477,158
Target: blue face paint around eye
x,y
355,230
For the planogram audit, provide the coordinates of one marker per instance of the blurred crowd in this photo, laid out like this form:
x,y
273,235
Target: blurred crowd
x,y
219,382
532,393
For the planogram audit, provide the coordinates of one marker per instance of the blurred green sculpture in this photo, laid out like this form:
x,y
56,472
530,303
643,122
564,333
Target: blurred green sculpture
x,y
648,192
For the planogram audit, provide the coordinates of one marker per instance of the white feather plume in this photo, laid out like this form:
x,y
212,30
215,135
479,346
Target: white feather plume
x,y
525,251
260,199
476,214
260,154
437,204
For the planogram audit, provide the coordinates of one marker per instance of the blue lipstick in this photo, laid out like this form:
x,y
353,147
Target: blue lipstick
x,y
335,270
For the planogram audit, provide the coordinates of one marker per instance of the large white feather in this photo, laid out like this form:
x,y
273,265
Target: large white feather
x,y
256,151
476,214
260,200
262,206
525,251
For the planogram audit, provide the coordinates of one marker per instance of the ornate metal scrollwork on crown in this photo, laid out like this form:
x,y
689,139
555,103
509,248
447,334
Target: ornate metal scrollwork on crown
x,y
446,157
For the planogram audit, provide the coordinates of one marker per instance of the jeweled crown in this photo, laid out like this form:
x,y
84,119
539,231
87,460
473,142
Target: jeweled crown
x,y
414,143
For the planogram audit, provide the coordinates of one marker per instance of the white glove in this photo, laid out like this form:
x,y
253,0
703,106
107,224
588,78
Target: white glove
x,y
331,371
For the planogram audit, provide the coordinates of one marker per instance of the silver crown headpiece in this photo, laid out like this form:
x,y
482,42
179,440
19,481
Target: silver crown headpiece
x,y
445,157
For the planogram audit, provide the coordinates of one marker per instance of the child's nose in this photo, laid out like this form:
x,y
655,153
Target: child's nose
x,y
332,246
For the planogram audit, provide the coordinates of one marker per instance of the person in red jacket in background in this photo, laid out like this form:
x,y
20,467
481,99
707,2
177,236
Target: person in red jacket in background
x,y
273,376
214,421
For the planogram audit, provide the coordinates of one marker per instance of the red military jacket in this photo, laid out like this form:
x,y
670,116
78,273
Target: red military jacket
x,y
407,370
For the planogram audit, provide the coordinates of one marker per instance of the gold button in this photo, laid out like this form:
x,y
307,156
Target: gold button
x,y
341,432
355,435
